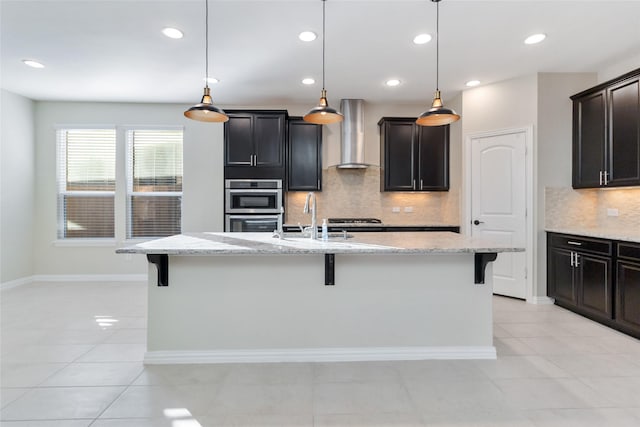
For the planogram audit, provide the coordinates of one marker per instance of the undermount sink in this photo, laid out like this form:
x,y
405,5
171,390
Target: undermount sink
x,y
332,236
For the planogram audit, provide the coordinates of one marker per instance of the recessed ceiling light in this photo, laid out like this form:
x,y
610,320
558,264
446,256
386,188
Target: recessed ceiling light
x,y
422,38
172,33
307,36
535,38
472,83
212,80
392,82
33,64
308,81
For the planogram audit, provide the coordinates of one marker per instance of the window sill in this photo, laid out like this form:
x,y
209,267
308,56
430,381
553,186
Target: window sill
x,y
85,243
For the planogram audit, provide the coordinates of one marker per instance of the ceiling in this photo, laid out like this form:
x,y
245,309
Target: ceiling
x,y
114,51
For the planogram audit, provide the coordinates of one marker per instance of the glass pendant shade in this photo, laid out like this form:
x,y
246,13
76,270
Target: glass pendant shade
x,y
205,111
437,115
323,114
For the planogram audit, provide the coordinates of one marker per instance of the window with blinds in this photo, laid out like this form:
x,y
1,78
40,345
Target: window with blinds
x,y
154,183
86,183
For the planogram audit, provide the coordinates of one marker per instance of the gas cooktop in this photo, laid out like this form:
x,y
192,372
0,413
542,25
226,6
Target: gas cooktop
x,y
354,221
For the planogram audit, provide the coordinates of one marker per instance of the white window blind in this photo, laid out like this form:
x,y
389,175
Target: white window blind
x,y
86,182
154,183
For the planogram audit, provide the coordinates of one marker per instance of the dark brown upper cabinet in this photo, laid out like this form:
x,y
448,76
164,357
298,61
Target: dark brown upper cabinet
x,y
412,157
304,155
606,134
254,144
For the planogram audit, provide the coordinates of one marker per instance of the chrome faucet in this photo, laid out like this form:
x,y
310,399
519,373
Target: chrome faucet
x,y
313,229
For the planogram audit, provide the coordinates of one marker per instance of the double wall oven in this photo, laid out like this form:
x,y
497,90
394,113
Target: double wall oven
x,y
253,205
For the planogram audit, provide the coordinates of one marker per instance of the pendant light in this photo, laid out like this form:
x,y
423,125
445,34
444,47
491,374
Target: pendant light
x,y
205,111
437,115
323,114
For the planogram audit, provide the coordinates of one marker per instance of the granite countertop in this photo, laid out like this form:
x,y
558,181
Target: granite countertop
x,y
627,234
209,243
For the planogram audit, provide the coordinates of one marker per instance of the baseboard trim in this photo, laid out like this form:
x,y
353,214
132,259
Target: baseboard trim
x,y
73,278
318,355
541,300
15,283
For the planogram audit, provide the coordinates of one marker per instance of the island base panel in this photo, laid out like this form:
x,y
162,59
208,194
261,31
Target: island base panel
x,y
277,308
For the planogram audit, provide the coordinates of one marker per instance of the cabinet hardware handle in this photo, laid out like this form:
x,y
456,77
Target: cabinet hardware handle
x,y
577,263
606,178
255,160
601,180
421,184
571,242
414,184
318,184
572,254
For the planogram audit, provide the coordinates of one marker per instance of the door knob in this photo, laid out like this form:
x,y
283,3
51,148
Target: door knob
x,y
476,222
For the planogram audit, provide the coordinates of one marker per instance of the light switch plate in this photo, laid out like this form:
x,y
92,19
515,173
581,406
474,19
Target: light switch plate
x,y
612,212
395,209
408,209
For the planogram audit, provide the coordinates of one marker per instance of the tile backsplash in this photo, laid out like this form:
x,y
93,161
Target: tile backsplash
x,y
567,208
356,193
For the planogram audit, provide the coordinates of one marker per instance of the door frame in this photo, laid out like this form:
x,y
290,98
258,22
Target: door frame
x,y
530,189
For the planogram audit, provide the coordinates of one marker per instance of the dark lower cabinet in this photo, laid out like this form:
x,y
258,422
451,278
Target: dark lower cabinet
x,y
595,284
304,156
628,286
584,274
561,278
579,278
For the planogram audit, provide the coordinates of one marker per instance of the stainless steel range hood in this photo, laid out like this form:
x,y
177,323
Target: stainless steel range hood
x,y
352,142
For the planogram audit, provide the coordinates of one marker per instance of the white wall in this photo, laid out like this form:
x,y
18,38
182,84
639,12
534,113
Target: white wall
x,y
17,175
202,192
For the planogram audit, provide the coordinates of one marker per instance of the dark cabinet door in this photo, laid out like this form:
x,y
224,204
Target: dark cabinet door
x,y
589,139
433,158
268,137
304,165
398,139
238,140
594,277
623,153
560,276
628,294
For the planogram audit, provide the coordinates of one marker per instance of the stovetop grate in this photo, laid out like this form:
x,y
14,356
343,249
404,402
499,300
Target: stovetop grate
x,y
354,221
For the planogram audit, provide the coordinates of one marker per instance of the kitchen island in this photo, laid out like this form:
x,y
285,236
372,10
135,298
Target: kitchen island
x,y
251,297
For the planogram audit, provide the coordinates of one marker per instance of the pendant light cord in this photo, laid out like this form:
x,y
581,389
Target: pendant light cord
x,y
323,31
206,42
438,45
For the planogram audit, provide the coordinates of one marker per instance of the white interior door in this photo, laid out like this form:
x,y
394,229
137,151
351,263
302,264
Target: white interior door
x,y
498,203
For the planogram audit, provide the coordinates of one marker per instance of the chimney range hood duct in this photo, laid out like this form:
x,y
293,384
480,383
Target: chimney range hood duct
x,y
352,142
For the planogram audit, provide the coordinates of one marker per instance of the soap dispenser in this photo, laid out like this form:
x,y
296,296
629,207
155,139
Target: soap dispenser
x,y
325,230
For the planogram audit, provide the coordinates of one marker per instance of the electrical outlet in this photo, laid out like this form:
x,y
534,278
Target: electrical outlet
x,y
612,212
395,209
408,209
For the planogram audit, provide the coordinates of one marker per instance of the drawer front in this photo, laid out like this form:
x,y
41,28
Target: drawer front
x,y
630,251
579,243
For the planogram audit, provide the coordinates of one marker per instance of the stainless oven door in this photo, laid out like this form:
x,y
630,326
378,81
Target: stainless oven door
x,y
252,223
253,201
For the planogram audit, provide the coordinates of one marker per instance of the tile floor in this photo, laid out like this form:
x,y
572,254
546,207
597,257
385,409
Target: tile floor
x,y
71,357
